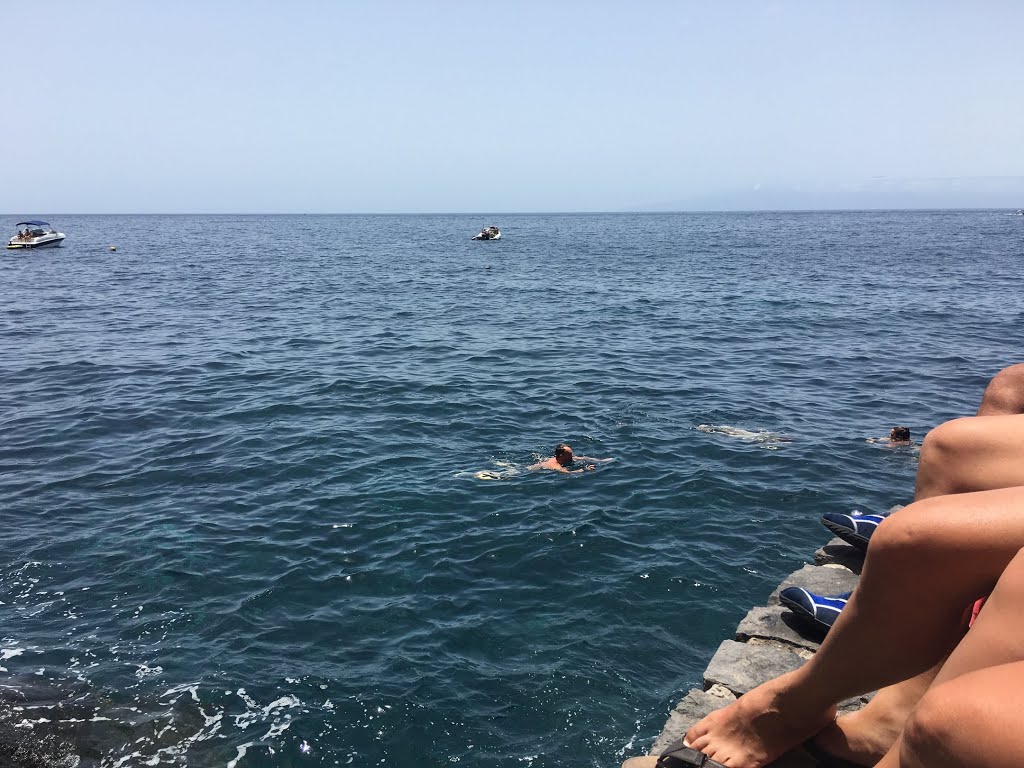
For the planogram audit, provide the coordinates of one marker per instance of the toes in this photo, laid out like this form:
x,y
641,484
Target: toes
x,y
697,731
699,743
646,761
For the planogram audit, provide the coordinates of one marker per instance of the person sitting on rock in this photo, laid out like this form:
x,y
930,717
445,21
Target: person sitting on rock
x,y
962,456
904,622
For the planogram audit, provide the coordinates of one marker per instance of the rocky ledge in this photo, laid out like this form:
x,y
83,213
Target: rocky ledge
x,y
768,642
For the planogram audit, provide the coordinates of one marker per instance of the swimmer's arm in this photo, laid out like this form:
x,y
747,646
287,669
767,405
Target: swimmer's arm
x,y
591,458
553,466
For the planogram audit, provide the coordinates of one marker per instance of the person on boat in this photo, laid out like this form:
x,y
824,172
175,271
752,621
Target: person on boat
x,y
565,461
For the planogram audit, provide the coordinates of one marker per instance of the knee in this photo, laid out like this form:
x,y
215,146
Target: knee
x,y
944,447
972,719
933,728
947,438
917,533
898,535
1005,393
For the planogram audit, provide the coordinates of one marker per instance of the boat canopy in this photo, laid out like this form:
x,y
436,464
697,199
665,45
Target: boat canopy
x,y
33,223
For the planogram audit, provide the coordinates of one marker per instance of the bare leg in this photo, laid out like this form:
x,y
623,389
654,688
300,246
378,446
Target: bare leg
x,y
863,737
975,453
924,565
970,715
1005,393
954,452
971,721
965,455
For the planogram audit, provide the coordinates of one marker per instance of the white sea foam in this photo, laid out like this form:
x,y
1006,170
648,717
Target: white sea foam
x,y
763,437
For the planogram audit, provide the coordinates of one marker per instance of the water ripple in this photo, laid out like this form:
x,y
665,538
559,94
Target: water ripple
x,y
243,479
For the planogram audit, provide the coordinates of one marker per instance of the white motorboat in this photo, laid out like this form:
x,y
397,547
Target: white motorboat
x,y
488,233
37,234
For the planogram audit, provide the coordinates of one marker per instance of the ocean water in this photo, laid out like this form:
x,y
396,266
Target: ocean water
x,y
239,474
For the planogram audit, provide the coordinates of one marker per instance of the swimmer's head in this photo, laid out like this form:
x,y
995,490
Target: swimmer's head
x,y
900,434
563,454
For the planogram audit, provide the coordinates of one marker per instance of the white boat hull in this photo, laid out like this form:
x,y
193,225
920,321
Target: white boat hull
x,y
54,240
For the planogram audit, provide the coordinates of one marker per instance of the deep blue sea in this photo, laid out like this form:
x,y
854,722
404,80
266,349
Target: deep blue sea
x,y
243,520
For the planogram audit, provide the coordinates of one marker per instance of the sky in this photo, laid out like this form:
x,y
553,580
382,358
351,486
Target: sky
x,y
381,106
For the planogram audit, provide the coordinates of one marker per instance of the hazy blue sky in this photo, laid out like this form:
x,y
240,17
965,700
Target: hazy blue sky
x,y
377,106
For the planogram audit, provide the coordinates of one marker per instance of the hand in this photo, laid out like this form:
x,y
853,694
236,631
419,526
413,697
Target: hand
x,y
591,466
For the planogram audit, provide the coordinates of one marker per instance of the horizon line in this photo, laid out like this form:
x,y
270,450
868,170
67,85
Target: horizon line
x,y
523,213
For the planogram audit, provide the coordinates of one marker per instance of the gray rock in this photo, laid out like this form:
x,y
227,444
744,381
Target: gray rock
x,y
838,552
742,666
694,706
769,643
854,704
822,580
777,624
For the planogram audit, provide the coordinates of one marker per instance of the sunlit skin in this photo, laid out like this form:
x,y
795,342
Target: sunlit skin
x,y
925,563
564,459
967,455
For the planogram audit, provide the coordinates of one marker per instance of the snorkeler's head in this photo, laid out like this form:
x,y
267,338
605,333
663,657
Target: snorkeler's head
x,y
563,454
900,434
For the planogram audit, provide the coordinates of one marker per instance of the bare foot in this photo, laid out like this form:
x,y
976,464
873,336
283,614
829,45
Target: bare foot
x,y
860,737
760,725
864,737
644,761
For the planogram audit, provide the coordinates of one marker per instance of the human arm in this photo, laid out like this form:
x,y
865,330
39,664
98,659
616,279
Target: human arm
x,y
556,467
548,464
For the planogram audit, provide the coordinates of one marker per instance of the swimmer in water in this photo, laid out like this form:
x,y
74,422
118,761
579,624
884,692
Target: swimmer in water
x,y
761,436
897,436
563,461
